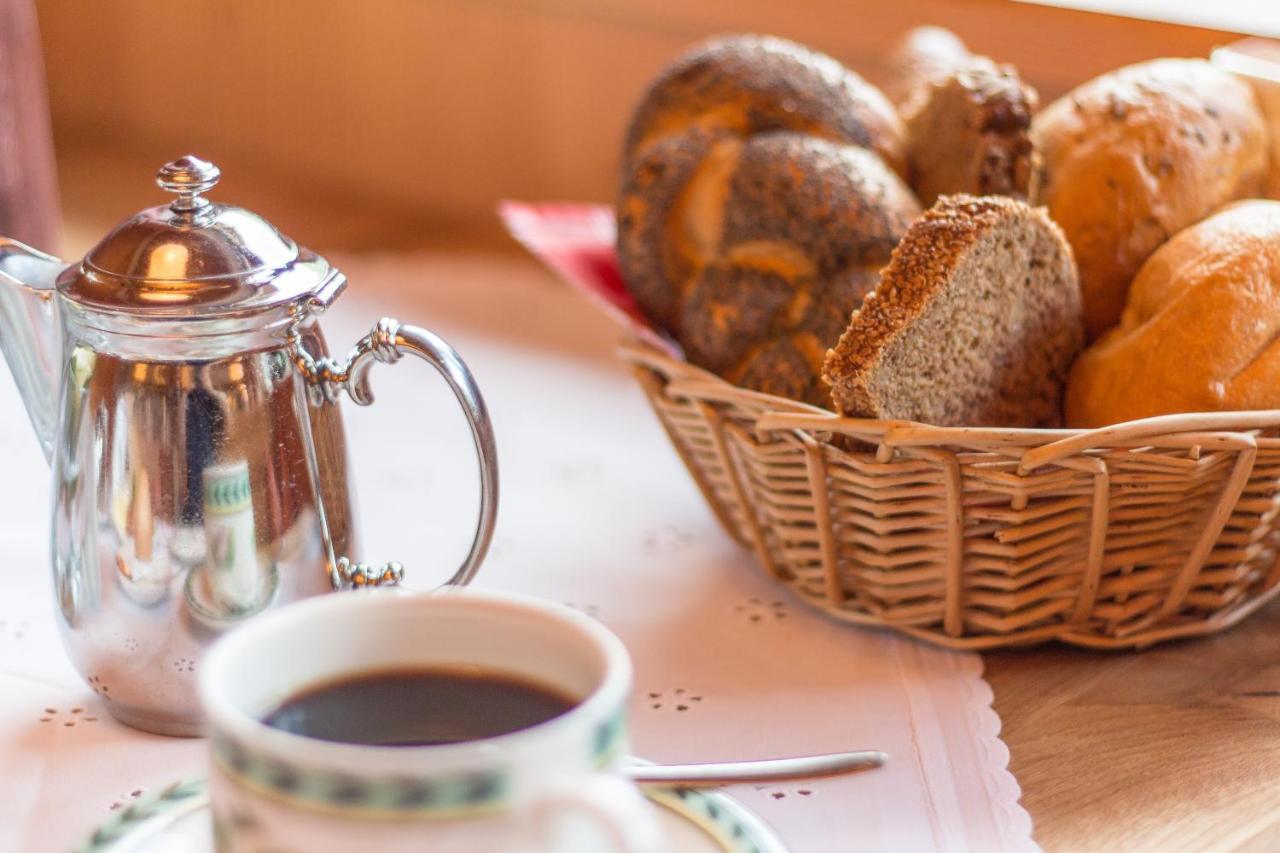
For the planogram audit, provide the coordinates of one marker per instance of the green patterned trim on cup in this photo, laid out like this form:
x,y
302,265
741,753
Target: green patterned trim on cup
x,y
733,826
609,739
227,488
445,796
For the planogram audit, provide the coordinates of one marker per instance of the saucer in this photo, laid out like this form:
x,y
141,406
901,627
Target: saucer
x,y
176,820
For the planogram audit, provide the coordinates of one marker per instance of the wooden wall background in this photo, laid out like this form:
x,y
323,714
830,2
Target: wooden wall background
x,y
430,110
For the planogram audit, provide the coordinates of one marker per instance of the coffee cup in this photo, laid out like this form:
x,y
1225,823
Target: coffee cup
x,y
458,720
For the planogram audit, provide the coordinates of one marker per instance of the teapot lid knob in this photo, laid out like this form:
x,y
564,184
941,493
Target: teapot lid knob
x,y
196,259
188,176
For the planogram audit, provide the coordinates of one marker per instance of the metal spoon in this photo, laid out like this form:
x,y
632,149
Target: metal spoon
x,y
767,770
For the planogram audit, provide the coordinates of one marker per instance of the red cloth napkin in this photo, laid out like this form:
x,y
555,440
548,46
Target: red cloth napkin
x,y
576,241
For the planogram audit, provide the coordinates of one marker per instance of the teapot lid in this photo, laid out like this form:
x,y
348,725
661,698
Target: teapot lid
x,y
195,258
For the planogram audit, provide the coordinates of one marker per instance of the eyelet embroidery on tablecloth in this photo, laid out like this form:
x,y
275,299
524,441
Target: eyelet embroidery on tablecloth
x,y
67,719
784,792
756,611
679,699
576,471
592,610
665,539
125,799
97,685
15,629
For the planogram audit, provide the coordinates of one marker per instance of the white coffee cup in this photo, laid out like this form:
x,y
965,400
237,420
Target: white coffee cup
x,y
550,787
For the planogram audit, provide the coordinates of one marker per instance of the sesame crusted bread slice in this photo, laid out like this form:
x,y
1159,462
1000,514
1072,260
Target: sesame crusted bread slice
x,y
975,322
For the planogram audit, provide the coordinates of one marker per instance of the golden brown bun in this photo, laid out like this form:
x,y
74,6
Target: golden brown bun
x,y
748,227
1201,331
1134,156
741,85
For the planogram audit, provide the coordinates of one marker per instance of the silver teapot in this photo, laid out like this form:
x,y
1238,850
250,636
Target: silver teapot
x,y
183,394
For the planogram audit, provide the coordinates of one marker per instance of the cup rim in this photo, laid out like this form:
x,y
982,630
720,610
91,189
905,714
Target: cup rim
x,y
224,716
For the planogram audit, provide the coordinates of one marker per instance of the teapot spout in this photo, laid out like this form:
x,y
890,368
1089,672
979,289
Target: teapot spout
x,y
31,333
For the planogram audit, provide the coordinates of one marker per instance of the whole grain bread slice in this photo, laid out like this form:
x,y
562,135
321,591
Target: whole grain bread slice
x,y
975,322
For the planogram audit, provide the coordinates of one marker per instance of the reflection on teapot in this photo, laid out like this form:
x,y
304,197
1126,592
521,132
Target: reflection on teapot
x,y
235,578
182,391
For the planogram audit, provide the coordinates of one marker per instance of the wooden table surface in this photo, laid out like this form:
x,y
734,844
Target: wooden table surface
x,y
1173,748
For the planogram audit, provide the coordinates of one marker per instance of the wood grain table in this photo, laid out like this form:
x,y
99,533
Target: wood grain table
x,y
1173,748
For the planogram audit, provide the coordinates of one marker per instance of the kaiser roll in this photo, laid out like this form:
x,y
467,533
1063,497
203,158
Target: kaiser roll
x,y
1201,330
1132,157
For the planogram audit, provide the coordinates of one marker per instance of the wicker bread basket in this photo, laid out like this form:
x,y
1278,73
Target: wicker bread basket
x,y
980,538
972,538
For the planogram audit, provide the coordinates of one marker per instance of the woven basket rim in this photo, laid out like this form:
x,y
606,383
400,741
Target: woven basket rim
x,y
781,414
784,481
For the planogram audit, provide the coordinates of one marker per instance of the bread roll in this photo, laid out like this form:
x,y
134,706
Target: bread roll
x,y
741,85
1133,156
1201,330
969,131
921,56
1257,61
750,244
754,253
968,120
975,322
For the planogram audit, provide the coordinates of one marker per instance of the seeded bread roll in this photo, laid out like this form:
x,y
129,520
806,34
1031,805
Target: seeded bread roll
x,y
752,245
741,85
975,322
969,131
1201,330
1134,156
753,253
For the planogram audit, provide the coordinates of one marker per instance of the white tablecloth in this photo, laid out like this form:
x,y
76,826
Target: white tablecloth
x,y
597,512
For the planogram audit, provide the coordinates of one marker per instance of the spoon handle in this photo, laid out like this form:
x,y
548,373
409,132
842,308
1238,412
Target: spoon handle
x,y
768,770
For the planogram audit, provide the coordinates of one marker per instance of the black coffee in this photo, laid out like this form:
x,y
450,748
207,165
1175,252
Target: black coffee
x,y
419,707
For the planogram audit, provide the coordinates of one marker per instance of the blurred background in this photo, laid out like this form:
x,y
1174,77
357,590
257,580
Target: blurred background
x,y
398,123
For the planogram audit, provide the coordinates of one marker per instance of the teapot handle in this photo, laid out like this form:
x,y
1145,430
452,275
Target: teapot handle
x,y
326,379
